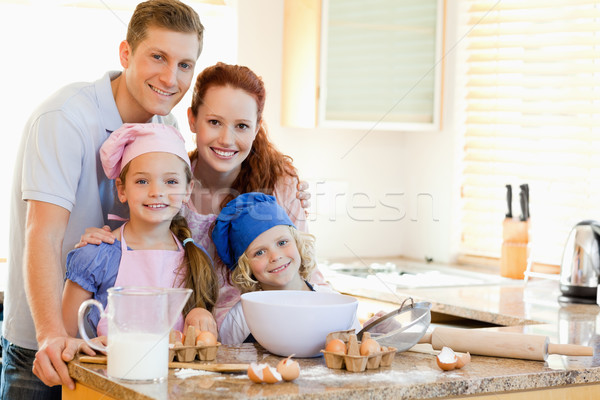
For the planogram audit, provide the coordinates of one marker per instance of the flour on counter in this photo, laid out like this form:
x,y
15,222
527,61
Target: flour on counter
x,y
187,372
382,376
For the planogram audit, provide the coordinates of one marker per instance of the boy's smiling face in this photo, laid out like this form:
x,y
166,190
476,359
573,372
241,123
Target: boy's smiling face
x,y
274,259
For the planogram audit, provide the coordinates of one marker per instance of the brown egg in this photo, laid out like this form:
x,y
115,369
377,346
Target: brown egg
x,y
369,346
446,359
336,346
289,369
175,336
205,338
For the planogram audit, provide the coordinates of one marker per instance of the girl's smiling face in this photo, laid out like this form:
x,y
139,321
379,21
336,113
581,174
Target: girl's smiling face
x,y
156,185
225,126
274,260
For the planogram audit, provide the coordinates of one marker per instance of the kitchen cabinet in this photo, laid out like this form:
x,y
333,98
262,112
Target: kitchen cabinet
x,y
363,65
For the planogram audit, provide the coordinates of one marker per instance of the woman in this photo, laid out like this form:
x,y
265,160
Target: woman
x,y
234,156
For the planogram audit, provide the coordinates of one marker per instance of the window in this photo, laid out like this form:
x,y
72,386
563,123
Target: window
x,y
532,115
381,64
363,65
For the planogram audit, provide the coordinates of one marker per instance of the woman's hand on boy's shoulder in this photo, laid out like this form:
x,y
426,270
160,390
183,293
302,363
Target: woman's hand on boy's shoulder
x,y
202,320
303,195
95,235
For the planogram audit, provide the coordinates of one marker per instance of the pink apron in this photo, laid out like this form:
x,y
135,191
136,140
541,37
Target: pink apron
x,y
158,268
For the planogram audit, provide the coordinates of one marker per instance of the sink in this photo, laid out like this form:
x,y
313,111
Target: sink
x,y
409,274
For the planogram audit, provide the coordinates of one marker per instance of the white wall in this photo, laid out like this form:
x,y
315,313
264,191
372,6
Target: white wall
x,y
364,175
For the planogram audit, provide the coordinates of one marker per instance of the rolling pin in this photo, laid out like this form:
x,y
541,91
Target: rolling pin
x,y
501,344
174,364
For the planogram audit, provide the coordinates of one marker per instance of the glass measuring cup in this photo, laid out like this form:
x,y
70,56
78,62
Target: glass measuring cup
x,y
139,321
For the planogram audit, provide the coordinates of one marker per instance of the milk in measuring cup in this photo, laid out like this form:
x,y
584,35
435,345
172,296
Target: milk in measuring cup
x,y
138,356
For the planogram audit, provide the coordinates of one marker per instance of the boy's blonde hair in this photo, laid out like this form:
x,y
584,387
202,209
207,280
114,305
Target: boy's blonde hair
x,y
242,277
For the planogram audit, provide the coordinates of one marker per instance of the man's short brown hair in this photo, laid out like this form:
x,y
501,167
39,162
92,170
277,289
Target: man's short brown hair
x,y
168,14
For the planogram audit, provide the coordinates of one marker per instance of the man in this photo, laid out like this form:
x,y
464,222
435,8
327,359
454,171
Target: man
x,y
65,190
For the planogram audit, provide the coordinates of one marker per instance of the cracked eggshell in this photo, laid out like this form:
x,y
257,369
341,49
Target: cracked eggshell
x,y
263,373
446,359
289,369
462,360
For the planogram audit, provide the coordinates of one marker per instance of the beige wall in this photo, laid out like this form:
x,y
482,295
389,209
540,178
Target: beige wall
x,y
364,175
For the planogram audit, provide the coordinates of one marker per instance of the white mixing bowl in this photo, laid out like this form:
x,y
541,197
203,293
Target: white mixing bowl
x,y
287,322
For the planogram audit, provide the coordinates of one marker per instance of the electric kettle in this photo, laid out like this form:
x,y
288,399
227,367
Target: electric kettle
x,y
580,267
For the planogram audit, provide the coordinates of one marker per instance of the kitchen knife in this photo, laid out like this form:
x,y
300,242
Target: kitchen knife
x,y
509,201
525,188
523,201
501,344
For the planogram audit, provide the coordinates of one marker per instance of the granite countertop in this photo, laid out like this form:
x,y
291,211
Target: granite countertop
x,y
530,309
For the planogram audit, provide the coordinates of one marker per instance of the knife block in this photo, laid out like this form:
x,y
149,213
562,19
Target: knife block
x,y
515,248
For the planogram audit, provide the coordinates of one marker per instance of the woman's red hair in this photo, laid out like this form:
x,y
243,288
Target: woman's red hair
x,y
265,165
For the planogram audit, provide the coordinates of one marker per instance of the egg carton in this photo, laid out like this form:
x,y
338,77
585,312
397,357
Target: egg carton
x,y
353,361
189,353
188,350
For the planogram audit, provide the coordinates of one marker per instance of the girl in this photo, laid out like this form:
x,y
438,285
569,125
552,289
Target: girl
x,y
153,248
262,248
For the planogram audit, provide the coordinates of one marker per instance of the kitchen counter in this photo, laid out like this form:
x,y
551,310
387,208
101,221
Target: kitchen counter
x,y
414,374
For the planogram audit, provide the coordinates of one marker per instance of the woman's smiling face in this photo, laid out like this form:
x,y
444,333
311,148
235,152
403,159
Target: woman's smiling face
x,y
225,126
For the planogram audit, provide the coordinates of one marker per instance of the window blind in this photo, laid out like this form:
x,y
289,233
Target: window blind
x,y
532,115
381,64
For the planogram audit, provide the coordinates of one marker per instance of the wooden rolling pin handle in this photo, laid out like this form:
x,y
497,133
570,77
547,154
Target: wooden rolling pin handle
x,y
426,338
93,359
570,349
211,367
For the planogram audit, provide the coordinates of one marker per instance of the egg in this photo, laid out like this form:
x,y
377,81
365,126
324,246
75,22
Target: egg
x,y
263,373
369,346
336,346
463,359
175,336
446,359
206,338
289,369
